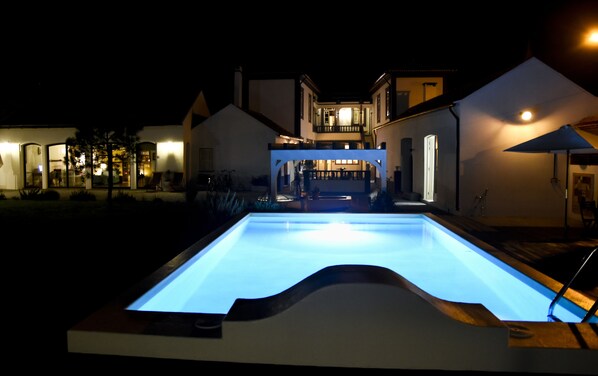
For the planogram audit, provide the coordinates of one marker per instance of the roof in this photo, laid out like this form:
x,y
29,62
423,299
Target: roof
x,y
269,123
469,85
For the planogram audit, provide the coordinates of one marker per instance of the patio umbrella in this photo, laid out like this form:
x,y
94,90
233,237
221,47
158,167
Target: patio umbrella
x,y
567,139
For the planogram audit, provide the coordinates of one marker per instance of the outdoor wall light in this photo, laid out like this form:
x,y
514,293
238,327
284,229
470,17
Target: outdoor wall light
x,y
526,115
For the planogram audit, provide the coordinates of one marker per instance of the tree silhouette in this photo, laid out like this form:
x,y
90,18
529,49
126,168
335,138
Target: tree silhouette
x,y
97,141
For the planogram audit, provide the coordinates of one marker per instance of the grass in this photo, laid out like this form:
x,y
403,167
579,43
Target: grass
x,y
69,258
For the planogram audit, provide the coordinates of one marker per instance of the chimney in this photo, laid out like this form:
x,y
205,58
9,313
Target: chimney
x,y
238,90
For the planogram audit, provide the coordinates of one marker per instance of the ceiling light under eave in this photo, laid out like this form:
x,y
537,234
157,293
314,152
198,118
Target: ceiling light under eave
x,y
526,115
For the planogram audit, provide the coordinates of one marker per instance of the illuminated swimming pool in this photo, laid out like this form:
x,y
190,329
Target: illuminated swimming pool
x,y
265,254
364,291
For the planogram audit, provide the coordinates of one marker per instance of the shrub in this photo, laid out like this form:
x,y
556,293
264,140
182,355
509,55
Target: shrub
x,y
2,196
261,180
223,207
38,194
49,194
123,197
29,194
82,195
266,206
382,203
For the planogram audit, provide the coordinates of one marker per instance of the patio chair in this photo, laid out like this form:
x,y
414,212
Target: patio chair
x,y
155,184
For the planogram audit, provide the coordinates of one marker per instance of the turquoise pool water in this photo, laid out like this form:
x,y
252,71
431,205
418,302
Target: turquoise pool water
x,y
266,253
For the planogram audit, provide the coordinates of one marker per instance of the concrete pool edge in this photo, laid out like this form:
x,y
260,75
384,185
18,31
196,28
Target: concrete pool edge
x,y
573,295
354,332
349,324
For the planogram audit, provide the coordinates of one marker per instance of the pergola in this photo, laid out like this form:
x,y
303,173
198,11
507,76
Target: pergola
x,y
278,157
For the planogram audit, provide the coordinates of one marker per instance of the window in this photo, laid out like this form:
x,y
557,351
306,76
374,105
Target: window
x,y
120,168
310,108
75,166
378,108
56,166
206,159
301,105
344,116
33,165
146,162
356,116
346,161
387,95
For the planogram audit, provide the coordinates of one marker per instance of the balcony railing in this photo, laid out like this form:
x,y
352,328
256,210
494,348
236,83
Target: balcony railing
x,y
336,175
345,182
355,128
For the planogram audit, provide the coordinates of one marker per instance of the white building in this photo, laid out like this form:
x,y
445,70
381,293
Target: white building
x,y
453,146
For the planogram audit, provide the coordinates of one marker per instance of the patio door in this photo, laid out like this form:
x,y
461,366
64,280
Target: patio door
x,y
430,154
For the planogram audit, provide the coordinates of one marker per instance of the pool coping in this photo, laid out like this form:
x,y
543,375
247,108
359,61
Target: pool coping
x,y
114,331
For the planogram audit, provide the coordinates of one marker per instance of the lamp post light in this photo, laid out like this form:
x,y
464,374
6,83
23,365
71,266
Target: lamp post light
x,y
591,39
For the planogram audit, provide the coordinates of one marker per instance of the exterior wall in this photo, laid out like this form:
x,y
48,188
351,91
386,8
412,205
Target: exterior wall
x,y
228,132
382,92
11,140
415,87
169,145
169,140
307,124
274,99
440,123
520,190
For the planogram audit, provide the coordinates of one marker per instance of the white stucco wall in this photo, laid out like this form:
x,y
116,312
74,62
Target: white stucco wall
x,y
169,140
11,141
307,125
443,125
382,92
519,185
275,99
170,149
239,142
520,191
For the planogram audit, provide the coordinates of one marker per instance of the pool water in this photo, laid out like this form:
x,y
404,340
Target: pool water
x,y
266,253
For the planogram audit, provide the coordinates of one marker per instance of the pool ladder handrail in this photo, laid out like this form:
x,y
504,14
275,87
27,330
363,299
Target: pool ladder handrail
x,y
560,294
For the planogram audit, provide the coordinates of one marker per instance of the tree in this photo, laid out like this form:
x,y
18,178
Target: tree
x,y
96,143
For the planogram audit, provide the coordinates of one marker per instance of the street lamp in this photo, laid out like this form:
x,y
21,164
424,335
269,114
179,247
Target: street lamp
x,y
592,38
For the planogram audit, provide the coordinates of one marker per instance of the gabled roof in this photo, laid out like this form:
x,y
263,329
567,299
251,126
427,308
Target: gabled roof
x,y
269,123
460,92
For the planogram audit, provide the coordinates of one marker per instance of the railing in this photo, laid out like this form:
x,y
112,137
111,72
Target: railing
x,y
356,128
345,182
335,175
560,294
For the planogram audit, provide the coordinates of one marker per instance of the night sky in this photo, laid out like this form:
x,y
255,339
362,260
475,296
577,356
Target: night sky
x,y
147,47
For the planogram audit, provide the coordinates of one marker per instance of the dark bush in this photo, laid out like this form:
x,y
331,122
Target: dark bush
x,y
382,203
123,197
261,180
50,194
82,195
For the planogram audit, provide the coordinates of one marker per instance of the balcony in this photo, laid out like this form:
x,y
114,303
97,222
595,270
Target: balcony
x,y
355,128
